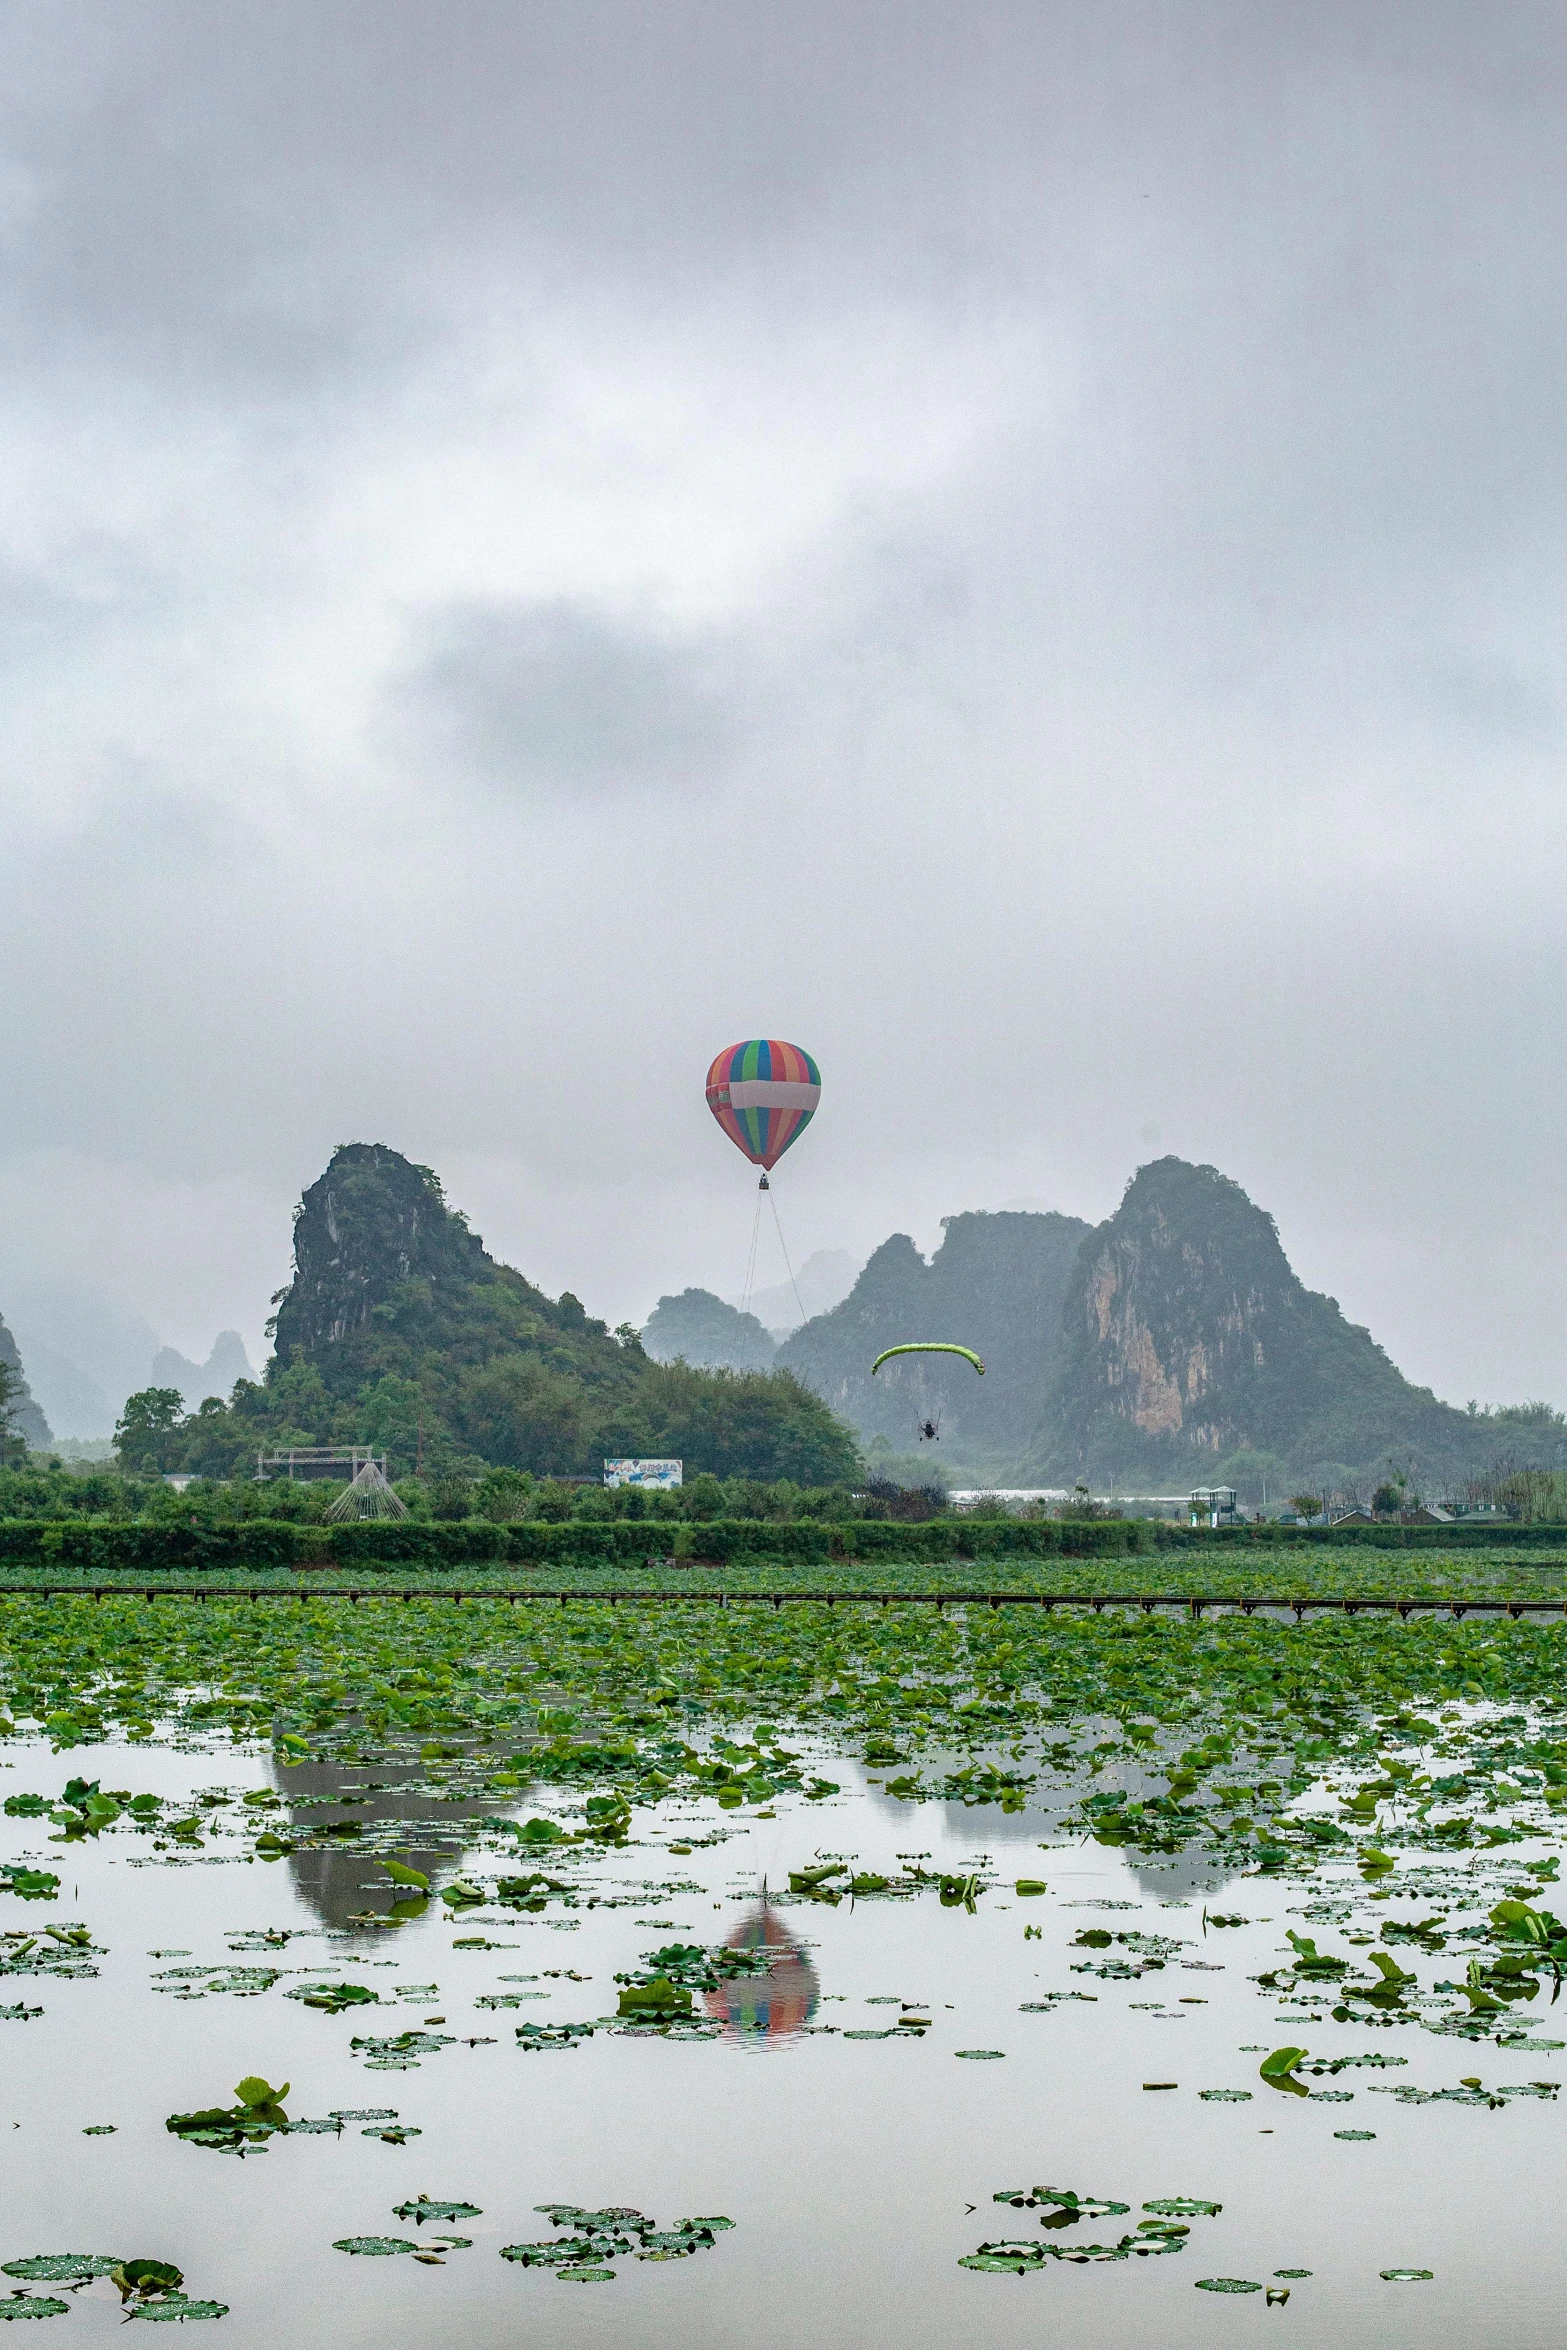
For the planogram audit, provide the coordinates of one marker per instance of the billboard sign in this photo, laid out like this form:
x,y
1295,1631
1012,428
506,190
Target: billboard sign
x,y
652,1476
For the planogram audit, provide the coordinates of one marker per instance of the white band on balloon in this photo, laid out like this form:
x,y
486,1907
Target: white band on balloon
x,y
773,1093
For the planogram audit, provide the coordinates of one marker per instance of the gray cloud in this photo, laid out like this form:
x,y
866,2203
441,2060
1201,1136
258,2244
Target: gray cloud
x,y
1043,528
546,698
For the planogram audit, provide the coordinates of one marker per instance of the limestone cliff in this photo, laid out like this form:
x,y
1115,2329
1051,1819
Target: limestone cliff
x,y
1189,1338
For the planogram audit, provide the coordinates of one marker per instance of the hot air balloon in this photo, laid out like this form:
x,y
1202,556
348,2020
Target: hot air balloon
x,y
764,1095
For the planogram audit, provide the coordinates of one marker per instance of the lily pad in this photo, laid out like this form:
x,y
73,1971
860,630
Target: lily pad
x,y
1007,2259
1184,2207
1407,2276
1357,2137
174,2308
1227,2285
585,2276
33,2305
332,1998
420,2208
979,2055
1225,2096
374,2247
62,2268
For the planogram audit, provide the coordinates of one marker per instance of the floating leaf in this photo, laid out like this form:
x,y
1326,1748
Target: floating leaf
x,y
1407,2276
374,2247
33,2305
62,2268
1184,2207
257,2094
174,2308
1227,2285
981,2055
401,1874
332,1998
147,2276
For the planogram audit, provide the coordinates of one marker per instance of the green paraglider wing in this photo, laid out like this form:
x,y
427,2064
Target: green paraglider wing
x,y
933,1348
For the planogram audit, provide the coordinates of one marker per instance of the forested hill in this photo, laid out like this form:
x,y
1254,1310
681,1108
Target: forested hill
x,y
697,1327
1191,1350
996,1284
399,1329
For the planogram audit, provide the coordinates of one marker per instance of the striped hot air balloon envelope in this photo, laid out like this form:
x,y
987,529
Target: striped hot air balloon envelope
x,y
764,1095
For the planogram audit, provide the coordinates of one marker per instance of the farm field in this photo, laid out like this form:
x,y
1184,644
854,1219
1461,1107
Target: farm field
x,y
1222,1572
851,1973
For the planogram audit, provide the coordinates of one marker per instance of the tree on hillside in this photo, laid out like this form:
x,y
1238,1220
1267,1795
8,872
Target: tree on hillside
x,y
145,1435
1308,1504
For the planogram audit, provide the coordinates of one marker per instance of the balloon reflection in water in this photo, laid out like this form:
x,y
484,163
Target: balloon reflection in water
x,y
763,2010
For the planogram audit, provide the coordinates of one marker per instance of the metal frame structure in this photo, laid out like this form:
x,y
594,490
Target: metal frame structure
x,y
317,1460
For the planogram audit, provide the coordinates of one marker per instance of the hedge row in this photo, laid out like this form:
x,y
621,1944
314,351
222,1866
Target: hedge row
x,y
110,1547
86,1547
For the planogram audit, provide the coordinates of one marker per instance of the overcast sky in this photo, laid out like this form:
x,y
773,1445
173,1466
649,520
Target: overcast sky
x,y
1020,548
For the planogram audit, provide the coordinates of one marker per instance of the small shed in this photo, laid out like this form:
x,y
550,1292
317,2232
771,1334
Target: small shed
x,y
1215,1503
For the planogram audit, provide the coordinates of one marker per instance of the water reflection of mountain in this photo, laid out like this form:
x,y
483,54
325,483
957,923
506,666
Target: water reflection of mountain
x,y
340,1881
1174,1879
763,2011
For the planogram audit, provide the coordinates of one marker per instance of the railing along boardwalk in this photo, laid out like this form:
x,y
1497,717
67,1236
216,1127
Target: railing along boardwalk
x,y
1188,1603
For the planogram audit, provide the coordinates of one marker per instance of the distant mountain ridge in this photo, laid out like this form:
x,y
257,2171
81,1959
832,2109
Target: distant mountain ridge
x,y
997,1284
226,1363
1171,1345
823,1281
698,1328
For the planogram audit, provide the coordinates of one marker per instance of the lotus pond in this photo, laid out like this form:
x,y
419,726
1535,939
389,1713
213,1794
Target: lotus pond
x,y
830,1976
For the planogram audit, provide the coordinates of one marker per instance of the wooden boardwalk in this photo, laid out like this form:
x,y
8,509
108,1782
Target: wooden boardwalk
x,y
1193,1604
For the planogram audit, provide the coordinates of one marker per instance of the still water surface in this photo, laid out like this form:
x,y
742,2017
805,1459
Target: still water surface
x,y
857,2172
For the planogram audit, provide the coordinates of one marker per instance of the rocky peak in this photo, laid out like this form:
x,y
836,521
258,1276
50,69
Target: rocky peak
x,y
373,1221
1181,1292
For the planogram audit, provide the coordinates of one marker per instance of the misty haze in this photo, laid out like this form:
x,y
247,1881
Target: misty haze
x,y
781,1292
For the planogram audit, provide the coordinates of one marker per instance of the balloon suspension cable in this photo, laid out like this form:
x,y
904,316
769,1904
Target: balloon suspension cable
x,y
816,1361
750,1263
